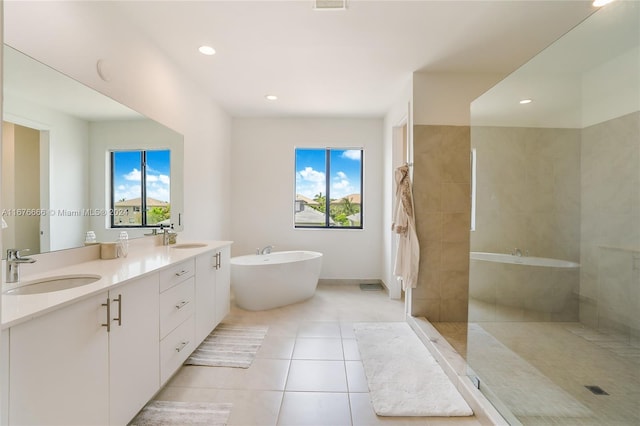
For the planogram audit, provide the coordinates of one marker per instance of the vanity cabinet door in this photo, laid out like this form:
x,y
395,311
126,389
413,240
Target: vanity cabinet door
x,y
213,295
206,265
59,367
133,347
223,284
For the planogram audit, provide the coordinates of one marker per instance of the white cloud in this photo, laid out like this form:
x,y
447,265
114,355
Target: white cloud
x,y
165,179
127,192
159,193
134,175
310,175
310,182
340,186
352,154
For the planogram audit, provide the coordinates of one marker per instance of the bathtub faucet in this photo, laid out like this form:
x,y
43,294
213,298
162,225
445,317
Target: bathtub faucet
x,y
265,250
518,252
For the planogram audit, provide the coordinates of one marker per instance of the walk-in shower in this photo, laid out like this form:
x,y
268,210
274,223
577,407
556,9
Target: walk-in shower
x,y
559,178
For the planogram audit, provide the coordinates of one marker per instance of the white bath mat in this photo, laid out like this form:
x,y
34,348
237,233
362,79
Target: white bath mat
x,y
175,413
229,345
403,377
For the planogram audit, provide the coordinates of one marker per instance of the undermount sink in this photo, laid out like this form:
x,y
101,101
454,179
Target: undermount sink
x,y
188,245
47,285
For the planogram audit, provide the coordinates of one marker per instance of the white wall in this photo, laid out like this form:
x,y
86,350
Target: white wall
x,y
66,166
107,136
73,36
401,111
263,177
442,98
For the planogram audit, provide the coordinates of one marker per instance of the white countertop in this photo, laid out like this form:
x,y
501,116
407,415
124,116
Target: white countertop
x,y
140,261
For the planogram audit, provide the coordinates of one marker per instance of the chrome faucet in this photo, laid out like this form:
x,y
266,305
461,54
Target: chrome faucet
x,y
518,252
166,229
265,250
13,264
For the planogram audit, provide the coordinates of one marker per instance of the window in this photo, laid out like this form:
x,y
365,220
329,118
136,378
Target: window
x,y
328,192
140,188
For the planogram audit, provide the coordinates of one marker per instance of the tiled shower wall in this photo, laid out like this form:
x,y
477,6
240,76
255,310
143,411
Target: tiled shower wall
x,y
610,246
570,194
528,197
528,183
441,191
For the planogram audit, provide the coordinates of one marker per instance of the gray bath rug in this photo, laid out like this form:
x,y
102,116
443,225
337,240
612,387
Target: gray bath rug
x,y
175,413
229,345
403,377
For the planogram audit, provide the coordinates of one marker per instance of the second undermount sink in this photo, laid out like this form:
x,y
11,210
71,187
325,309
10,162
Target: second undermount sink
x,y
47,285
188,245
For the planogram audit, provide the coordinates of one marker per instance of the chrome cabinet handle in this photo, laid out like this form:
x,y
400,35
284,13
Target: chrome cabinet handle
x,y
217,262
119,318
181,304
108,306
181,273
182,346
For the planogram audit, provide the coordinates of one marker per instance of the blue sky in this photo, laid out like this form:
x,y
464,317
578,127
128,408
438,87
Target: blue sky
x,y
127,175
311,172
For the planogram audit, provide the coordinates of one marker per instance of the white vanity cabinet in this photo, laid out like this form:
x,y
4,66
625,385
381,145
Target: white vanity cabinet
x,y
66,368
212,290
134,375
177,307
223,283
59,367
98,359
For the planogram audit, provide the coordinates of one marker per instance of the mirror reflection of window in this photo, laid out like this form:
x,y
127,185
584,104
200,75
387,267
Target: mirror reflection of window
x,y
140,188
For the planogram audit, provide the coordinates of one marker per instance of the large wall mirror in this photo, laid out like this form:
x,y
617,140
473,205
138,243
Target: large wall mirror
x,y
58,136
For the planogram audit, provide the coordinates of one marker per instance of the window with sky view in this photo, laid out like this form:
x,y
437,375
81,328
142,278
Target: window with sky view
x,y
328,189
140,183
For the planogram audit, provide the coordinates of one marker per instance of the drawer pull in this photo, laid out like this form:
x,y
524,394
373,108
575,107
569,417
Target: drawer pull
x,y
178,274
182,346
182,304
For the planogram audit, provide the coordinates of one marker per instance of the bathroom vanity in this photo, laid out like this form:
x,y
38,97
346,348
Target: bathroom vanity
x,y
97,353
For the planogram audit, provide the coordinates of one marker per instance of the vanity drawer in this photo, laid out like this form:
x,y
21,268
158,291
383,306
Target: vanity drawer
x,y
176,348
176,274
176,305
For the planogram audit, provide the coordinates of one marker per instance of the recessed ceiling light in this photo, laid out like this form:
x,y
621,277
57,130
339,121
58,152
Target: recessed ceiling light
x,y
271,97
600,3
207,50
526,101
330,4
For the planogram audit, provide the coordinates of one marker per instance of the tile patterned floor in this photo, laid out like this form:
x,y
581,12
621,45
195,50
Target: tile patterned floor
x,y
571,356
308,370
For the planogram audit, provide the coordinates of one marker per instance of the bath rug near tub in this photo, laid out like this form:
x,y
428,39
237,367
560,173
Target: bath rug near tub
x,y
229,345
175,413
403,377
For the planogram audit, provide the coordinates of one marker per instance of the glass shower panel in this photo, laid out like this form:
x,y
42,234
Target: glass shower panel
x,y
554,286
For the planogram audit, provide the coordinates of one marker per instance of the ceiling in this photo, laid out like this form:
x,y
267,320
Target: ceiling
x,y
353,62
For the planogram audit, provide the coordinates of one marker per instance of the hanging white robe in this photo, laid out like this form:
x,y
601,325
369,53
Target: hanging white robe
x,y
408,250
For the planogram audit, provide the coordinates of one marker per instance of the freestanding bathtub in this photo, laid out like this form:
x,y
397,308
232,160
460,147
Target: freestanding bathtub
x,y
267,281
527,283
